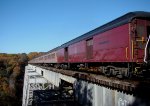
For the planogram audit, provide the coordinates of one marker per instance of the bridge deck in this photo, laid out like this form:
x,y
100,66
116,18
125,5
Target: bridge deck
x,y
125,85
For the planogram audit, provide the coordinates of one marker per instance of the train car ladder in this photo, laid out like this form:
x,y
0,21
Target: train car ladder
x,y
136,46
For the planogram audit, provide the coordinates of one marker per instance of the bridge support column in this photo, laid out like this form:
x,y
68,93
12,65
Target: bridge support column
x,y
89,94
33,81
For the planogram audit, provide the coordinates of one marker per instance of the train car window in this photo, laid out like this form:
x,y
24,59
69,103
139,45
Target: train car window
x,y
49,56
140,30
53,55
89,42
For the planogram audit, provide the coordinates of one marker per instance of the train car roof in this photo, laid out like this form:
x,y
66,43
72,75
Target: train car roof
x,y
46,53
110,25
52,50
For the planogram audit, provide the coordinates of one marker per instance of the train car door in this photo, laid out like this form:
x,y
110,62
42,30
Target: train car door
x,y
89,48
66,54
139,39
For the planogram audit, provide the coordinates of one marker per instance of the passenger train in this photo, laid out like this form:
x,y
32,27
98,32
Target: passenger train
x,y
119,48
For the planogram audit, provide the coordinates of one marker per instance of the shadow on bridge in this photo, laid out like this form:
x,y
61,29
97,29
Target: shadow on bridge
x,y
83,93
142,95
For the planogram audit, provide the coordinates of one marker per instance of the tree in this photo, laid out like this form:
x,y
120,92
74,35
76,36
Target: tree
x,y
23,58
32,55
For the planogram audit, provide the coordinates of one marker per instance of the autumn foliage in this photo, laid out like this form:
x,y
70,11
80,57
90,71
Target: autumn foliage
x,y
11,76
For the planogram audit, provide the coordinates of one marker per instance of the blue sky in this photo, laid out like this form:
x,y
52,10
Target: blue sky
x,y
40,25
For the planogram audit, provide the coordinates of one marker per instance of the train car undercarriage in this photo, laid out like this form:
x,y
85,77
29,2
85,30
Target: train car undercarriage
x,y
120,70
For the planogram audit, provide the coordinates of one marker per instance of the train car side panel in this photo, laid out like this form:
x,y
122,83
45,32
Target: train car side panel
x,y
51,57
112,45
60,55
77,52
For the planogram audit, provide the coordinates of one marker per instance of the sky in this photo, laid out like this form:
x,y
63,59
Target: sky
x,y
41,25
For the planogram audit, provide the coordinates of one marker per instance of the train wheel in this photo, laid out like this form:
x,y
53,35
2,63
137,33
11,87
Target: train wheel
x,y
65,67
107,71
57,66
124,72
120,73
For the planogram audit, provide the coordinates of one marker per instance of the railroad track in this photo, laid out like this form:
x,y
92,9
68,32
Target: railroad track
x,y
129,86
